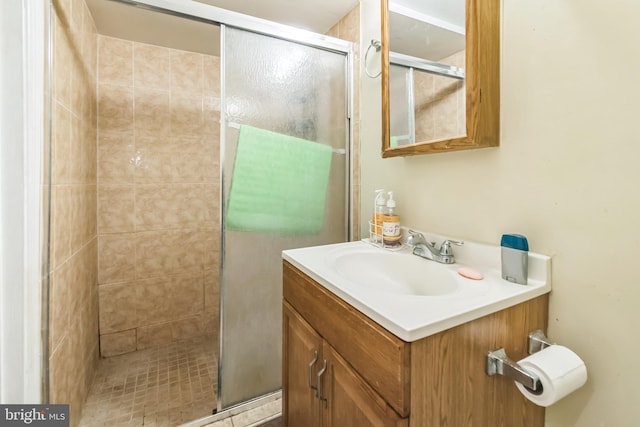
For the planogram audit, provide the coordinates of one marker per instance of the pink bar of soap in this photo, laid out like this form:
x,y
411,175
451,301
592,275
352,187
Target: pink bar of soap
x,y
470,273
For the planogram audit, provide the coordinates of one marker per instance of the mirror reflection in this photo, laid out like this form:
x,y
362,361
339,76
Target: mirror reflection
x,y
427,100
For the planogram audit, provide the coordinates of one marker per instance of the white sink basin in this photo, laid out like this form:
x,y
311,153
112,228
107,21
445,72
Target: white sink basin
x,y
400,273
414,297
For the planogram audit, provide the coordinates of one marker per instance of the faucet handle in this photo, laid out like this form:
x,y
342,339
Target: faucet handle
x,y
445,248
415,238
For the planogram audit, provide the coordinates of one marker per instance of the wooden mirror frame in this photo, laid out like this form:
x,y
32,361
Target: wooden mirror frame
x,y
482,83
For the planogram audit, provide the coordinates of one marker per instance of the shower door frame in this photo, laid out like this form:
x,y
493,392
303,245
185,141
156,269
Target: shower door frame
x,y
222,17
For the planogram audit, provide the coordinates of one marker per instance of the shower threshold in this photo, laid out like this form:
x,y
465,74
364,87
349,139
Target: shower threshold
x,y
264,411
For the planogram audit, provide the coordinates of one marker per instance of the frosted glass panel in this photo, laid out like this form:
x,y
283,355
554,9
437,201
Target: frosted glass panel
x,y
296,91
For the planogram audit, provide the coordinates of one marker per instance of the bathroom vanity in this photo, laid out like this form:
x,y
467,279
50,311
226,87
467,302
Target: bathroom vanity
x,y
342,367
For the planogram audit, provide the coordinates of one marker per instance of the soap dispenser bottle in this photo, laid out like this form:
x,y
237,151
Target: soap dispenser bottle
x,y
391,224
378,216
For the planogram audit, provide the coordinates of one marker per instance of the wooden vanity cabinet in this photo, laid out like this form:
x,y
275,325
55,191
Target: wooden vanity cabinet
x,y
322,388
372,378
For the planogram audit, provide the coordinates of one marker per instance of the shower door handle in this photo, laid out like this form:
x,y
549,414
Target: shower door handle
x,y
319,391
311,364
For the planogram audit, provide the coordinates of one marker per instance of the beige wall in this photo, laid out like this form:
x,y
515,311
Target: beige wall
x,y
158,219
73,308
566,175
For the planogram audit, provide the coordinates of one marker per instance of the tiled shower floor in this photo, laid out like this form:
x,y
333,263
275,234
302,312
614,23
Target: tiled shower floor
x,y
162,386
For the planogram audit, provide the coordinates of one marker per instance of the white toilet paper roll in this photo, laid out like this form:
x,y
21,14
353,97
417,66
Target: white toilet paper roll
x,y
560,370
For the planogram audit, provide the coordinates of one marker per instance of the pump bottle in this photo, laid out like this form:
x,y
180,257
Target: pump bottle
x,y
391,224
378,215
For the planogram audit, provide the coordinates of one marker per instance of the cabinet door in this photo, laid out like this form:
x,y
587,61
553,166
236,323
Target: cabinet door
x,y
301,359
347,400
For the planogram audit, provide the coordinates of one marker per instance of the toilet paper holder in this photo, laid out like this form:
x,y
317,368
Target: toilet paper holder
x,y
498,363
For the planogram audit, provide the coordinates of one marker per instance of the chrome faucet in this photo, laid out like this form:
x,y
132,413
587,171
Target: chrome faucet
x,y
428,250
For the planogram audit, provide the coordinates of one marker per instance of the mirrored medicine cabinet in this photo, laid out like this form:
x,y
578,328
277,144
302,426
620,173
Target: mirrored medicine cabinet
x,y
440,75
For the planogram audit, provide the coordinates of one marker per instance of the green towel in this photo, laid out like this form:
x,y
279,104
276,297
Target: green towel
x,y
279,183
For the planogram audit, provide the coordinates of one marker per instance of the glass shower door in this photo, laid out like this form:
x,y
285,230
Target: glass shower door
x,y
286,91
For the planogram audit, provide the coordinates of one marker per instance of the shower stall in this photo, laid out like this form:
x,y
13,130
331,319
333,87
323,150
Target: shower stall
x,y
171,270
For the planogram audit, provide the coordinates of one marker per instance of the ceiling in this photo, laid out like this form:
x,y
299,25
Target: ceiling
x,y
120,20
428,29
415,35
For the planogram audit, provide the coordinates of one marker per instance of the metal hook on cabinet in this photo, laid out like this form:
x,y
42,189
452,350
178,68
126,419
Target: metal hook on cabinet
x,y
378,46
499,363
538,341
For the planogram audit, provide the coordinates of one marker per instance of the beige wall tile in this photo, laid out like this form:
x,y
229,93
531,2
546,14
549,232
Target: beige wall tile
x,y
211,120
116,258
211,76
211,326
116,158
152,109
115,61
186,115
79,283
115,108
76,150
190,327
89,154
118,307
60,224
61,64
425,124
152,66
78,79
350,27
152,160
188,162
76,15
186,72
211,160
154,335
60,373
424,88
152,296
211,238
168,206
118,343
90,50
61,140
73,296
165,299
89,224
446,115
116,209
212,290
59,305
78,224
168,252
152,146
185,296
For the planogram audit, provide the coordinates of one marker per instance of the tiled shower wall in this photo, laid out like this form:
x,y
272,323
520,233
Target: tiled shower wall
x,y
73,292
348,28
440,104
158,213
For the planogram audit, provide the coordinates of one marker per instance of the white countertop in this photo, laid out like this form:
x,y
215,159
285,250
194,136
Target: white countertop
x,y
412,317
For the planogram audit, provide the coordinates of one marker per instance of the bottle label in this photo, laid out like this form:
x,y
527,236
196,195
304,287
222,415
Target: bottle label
x,y
391,231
